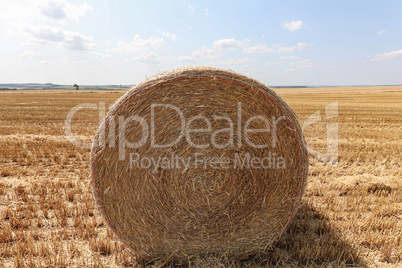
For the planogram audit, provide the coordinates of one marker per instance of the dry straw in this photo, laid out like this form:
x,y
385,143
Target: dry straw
x,y
232,198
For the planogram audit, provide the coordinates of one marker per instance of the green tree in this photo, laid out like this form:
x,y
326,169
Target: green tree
x,y
76,86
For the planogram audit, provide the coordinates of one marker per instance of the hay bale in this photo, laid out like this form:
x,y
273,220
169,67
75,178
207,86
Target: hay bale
x,y
199,160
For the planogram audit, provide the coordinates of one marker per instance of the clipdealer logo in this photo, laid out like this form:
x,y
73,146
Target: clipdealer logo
x,y
199,160
149,132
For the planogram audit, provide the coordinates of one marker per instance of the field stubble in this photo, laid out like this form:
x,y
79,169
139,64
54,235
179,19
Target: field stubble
x,y
351,214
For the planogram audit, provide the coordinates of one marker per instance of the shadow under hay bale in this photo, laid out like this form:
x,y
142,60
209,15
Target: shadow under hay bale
x,y
309,241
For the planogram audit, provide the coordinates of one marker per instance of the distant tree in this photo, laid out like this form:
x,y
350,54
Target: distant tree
x,y
76,86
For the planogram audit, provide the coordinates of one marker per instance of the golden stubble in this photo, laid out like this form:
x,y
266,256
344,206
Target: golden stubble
x,y
351,214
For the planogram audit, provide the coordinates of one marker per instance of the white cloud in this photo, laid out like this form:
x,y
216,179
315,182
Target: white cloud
x,y
265,49
206,53
108,43
68,39
269,64
380,32
387,56
139,45
228,44
206,12
286,49
259,49
186,58
251,70
46,33
29,54
190,7
236,61
100,55
21,13
148,57
299,46
29,18
54,10
302,64
61,9
170,36
46,62
293,25
303,46
240,61
290,57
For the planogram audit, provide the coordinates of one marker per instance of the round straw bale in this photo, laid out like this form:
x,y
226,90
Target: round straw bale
x,y
196,161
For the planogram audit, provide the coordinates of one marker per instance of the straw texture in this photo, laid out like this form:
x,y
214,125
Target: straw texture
x,y
216,190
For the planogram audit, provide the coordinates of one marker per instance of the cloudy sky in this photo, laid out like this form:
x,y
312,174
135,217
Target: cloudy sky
x,y
283,42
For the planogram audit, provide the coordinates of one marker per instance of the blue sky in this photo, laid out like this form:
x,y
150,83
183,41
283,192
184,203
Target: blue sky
x,y
277,42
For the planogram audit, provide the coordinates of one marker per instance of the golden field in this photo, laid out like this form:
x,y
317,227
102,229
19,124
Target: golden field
x,y
351,214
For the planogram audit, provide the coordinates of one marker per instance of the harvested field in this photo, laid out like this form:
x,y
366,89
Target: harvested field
x,y
351,213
